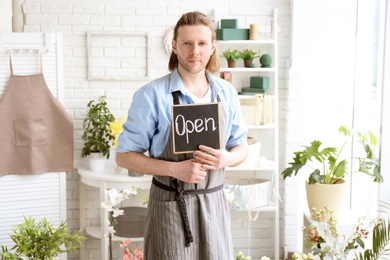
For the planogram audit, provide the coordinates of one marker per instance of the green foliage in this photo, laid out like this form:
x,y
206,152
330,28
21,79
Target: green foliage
x,y
97,135
41,241
333,169
380,243
231,55
247,54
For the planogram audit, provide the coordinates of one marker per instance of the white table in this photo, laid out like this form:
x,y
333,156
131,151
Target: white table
x,y
104,180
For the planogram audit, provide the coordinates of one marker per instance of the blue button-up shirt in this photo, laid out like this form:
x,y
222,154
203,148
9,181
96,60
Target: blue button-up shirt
x,y
148,124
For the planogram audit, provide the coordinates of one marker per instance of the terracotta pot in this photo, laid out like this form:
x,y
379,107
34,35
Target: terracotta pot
x,y
326,195
231,63
247,63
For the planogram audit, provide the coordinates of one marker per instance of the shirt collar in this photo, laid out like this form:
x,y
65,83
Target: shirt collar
x,y
176,84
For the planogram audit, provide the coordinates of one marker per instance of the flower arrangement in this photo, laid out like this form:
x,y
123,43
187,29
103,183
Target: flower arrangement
x,y
114,198
325,242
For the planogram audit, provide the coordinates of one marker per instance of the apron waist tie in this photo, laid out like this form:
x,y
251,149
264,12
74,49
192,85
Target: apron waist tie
x,y
182,204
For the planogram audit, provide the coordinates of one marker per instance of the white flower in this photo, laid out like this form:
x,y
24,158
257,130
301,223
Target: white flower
x,y
115,196
130,190
117,212
109,229
107,206
265,258
295,255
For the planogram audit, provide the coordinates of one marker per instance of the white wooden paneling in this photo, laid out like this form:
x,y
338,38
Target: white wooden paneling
x,y
39,195
25,50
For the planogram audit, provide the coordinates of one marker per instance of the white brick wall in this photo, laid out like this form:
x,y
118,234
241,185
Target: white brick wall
x,y
75,18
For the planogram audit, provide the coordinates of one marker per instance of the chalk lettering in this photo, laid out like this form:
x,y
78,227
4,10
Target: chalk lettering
x,y
189,127
214,127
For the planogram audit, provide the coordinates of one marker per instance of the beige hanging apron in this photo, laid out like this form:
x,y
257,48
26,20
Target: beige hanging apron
x,y
36,133
188,221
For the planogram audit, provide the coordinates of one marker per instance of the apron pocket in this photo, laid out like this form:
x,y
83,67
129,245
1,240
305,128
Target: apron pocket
x,y
30,132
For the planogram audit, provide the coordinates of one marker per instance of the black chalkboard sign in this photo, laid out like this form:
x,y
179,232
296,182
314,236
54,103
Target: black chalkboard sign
x,y
193,125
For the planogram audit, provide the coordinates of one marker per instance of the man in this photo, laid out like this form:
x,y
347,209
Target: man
x,y
188,216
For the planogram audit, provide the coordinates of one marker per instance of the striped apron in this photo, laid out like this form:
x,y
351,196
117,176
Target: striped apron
x,y
188,221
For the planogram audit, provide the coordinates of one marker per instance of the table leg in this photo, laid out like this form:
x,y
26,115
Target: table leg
x,y
82,188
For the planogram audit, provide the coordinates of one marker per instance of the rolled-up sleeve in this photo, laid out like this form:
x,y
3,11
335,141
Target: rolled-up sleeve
x,y
238,133
140,125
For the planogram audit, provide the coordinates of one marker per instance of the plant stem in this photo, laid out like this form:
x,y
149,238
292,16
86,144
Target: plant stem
x,y
110,244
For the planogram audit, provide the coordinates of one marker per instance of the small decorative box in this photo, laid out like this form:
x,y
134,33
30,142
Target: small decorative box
x,y
229,23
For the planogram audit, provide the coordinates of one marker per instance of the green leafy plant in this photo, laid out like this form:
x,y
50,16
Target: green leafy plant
x,y
331,168
380,242
247,54
41,241
97,134
231,55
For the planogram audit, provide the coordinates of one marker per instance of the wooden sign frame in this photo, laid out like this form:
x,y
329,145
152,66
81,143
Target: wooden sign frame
x,y
194,125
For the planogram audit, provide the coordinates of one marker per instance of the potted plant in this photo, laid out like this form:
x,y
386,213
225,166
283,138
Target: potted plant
x,y
329,168
97,135
41,241
231,57
247,55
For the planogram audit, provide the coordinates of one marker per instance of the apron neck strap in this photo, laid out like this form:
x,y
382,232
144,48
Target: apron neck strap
x,y
176,97
40,54
12,70
10,65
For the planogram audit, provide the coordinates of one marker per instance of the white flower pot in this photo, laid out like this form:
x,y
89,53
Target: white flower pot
x,y
97,162
326,195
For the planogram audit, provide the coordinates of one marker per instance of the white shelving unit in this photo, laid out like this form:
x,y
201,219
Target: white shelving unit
x,y
271,131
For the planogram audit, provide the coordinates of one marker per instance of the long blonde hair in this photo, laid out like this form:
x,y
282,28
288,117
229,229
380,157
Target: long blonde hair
x,y
195,18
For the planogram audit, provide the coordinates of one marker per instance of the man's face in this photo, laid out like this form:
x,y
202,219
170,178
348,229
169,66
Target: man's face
x,y
193,47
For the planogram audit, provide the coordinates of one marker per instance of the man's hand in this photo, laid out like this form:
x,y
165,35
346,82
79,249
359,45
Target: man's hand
x,y
213,159
190,171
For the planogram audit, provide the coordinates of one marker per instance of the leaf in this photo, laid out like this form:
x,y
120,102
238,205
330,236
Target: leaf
x,y
380,242
312,151
360,242
340,169
316,177
295,166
